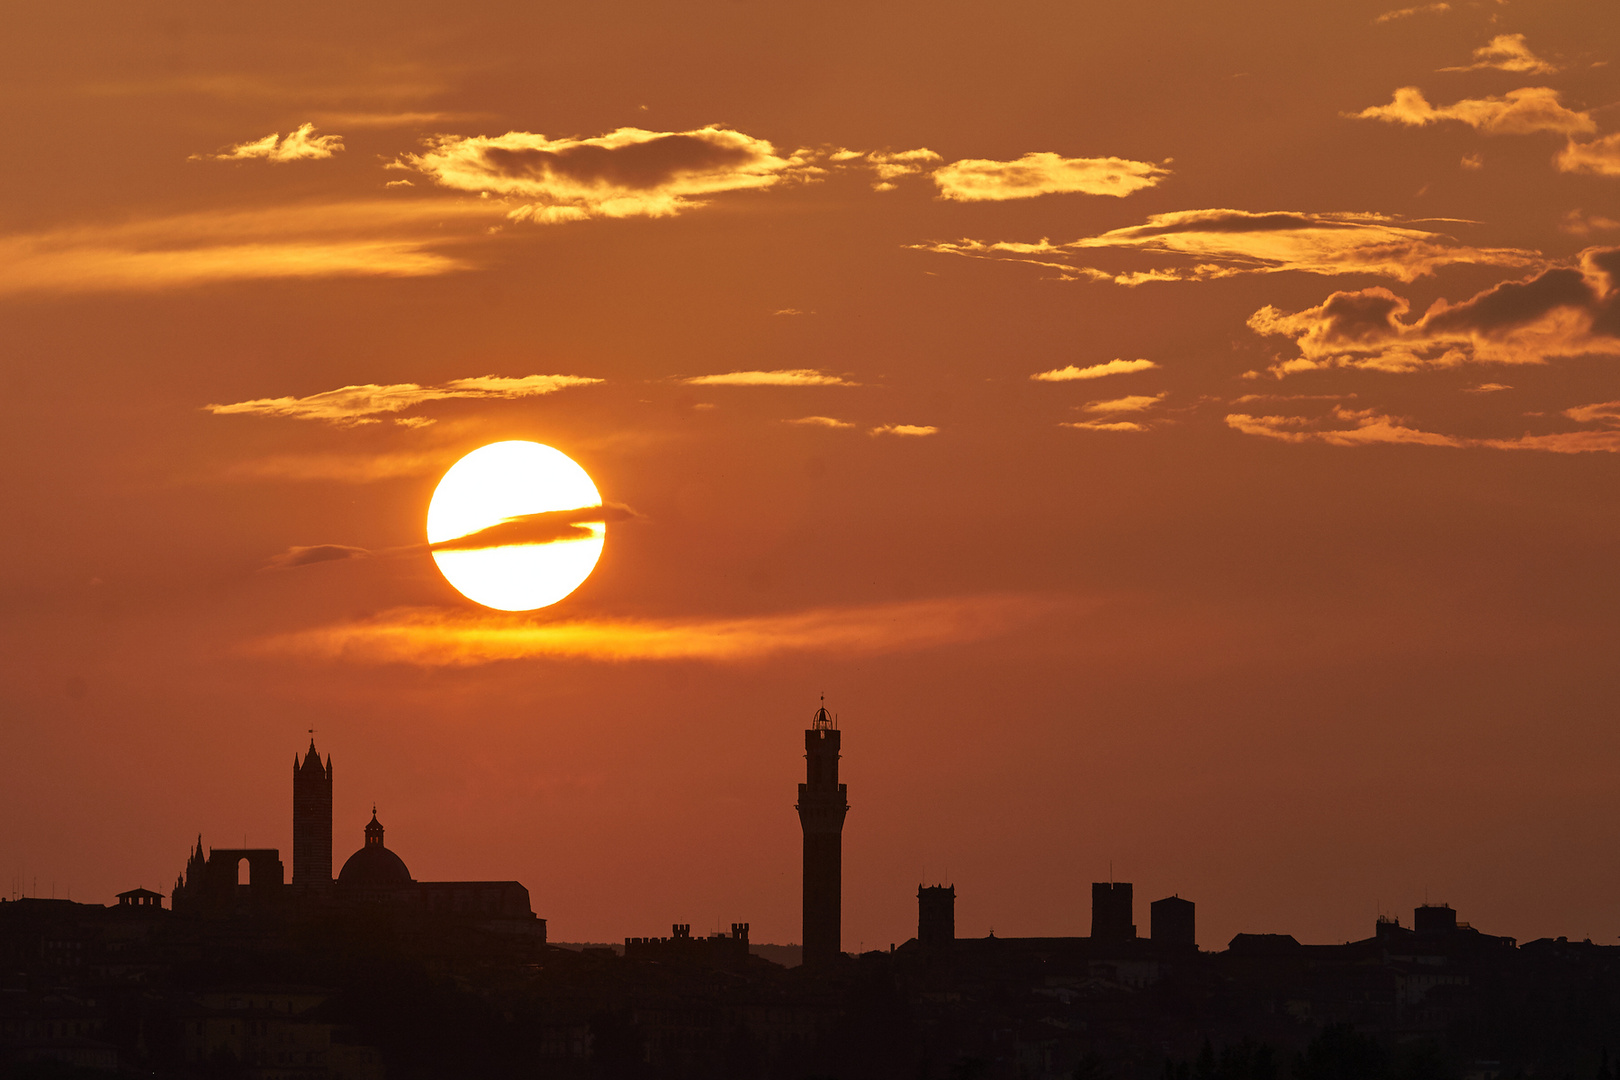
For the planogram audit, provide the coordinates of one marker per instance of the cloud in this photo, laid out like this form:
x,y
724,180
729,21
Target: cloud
x,y
338,468
1578,223
1407,13
908,430
1507,52
297,556
395,119
786,377
821,421
1369,427
1473,161
1104,425
300,145
1524,111
1486,388
1095,371
1607,412
436,638
1562,311
1249,399
1600,157
1212,244
1129,403
385,237
360,404
545,527
625,173
891,165
978,180
888,165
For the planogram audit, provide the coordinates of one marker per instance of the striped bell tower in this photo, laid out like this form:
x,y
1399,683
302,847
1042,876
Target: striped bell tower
x,y
312,821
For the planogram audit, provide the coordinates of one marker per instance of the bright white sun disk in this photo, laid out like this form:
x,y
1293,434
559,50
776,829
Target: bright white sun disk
x,y
496,483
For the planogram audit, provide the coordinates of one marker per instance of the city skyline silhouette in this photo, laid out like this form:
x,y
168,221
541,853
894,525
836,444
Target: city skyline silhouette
x,y
1175,444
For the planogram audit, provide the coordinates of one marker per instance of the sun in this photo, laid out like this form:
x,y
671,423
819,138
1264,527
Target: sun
x,y
505,503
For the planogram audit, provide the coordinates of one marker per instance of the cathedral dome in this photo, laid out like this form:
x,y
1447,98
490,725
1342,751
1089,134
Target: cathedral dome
x,y
374,866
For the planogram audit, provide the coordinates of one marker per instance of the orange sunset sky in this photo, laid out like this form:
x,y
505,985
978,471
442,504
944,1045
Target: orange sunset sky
x,y
1177,437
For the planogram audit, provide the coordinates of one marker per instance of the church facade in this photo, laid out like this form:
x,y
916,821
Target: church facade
x,y
374,877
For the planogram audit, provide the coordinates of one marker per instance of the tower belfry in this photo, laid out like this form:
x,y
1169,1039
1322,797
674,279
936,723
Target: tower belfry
x,y
312,821
822,806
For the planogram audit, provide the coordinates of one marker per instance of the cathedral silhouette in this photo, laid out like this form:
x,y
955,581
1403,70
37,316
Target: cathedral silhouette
x,y
373,878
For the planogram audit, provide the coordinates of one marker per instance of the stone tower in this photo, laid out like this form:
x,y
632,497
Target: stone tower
x,y
936,916
822,806
312,821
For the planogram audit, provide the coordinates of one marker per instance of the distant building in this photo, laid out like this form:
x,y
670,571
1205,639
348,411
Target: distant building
x,y
312,821
373,877
718,950
143,899
1111,914
1434,919
822,806
936,916
1171,923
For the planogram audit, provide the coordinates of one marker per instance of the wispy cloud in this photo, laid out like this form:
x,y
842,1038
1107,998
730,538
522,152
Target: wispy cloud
x,y
785,377
821,421
1211,244
1507,52
361,404
300,145
1600,157
1094,371
1580,223
385,237
889,165
1407,13
1560,312
1104,425
353,468
630,172
1249,399
417,119
1525,111
309,555
1129,403
905,430
437,638
979,180
1367,427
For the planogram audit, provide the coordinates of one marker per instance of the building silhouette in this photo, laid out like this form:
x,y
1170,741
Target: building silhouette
x,y
1172,923
312,821
1111,918
373,879
936,916
822,806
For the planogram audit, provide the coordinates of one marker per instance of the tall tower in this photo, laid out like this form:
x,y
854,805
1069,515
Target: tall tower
x,y
1111,912
312,821
822,807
